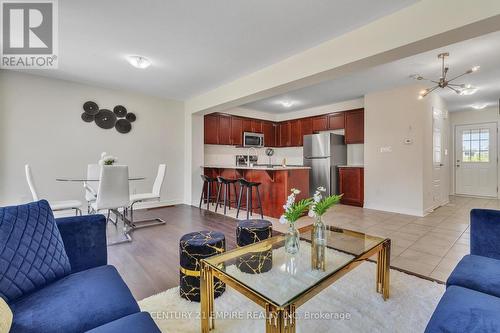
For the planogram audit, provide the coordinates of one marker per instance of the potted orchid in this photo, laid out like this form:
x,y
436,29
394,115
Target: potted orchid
x,y
293,211
319,206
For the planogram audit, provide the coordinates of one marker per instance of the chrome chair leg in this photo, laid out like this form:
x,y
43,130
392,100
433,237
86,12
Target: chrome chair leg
x,y
143,223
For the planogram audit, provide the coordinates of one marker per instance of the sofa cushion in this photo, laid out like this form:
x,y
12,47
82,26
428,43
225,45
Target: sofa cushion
x,y
477,273
135,323
32,252
75,303
463,310
5,316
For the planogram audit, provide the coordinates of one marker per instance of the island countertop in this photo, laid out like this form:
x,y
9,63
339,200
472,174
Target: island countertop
x,y
275,184
257,167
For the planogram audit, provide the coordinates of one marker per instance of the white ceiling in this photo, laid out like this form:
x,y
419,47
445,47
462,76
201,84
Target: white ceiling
x,y
194,45
483,51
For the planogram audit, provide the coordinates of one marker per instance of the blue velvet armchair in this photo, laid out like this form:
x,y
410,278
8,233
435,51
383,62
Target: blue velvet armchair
x,y
471,302
93,297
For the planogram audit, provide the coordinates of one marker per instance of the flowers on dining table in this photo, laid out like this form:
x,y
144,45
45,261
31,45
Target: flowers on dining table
x,y
107,159
294,210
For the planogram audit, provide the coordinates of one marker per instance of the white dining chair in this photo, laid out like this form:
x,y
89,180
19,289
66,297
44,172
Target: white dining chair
x,y
93,172
154,195
113,195
54,205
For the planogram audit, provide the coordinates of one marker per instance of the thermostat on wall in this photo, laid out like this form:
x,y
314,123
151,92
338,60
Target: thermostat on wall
x,y
408,141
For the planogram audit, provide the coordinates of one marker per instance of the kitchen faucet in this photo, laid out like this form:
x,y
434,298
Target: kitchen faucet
x,y
248,155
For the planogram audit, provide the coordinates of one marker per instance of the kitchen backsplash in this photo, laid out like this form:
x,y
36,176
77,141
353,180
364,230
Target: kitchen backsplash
x,y
225,155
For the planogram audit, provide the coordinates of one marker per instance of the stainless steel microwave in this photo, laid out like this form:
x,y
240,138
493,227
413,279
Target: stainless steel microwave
x,y
253,139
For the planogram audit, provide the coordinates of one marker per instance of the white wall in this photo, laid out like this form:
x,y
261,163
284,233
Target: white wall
x,y
40,124
488,115
398,180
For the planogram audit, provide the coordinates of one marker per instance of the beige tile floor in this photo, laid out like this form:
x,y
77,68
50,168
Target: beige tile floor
x,y
430,246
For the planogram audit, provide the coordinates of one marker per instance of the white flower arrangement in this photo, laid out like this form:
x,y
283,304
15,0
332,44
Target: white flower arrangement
x,y
107,159
316,198
293,210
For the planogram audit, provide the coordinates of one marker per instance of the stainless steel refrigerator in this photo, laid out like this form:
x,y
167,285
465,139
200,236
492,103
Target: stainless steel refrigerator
x,y
324,153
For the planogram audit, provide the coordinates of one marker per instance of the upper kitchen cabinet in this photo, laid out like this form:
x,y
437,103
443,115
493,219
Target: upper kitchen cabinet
x,y
247,125
269,129
256,126
224,129
306,126
319,124
284,134
295,133
355,126
211,125
336,121
236,131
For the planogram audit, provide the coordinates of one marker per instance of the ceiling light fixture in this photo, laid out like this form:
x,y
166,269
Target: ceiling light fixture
x,y
443,82
479,106
139,61
287,104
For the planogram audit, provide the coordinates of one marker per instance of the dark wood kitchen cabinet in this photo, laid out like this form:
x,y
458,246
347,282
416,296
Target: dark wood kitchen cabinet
x,y
211,134
247,125
224,130
351,184
355,126
256,126
319,124
306,126
336,121
236,131
284,129
268,129
295,133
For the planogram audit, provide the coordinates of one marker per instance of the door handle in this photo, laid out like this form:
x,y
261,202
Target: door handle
x,y
441,164
458,165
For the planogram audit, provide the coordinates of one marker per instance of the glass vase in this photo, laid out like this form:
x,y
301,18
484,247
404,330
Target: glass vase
x,y
292,238
318,245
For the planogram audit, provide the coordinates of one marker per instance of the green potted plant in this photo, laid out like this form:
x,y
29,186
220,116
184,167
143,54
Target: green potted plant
x,y
293,211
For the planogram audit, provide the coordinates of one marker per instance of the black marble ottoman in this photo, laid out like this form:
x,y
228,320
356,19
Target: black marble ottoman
x,y
249,232
192,248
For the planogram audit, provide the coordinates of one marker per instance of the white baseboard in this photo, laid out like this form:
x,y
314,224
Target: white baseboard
x,y
413,212
155,204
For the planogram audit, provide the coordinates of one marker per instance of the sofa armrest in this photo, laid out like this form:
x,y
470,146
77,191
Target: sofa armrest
x,y
485,233
84,239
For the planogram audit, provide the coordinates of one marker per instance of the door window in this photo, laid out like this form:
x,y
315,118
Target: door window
x,y
476,145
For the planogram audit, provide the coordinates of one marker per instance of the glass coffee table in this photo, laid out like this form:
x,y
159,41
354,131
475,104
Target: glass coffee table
x,y
280,282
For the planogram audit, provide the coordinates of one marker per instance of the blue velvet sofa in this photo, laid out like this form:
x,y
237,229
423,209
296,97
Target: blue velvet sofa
x,y
471,303
91,297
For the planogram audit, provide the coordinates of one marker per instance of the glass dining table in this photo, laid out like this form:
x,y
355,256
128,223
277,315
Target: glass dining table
x,y
85,179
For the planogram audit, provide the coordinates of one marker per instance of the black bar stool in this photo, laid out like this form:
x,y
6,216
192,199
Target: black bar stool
x,y
248,186
226,184
206,190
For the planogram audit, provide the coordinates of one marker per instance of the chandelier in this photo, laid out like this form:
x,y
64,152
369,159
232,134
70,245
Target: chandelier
x,y
444,82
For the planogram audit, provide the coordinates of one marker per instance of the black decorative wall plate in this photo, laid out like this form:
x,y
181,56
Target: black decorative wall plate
x,y
90,108
130,117
105,119
123,126
120,111
108,119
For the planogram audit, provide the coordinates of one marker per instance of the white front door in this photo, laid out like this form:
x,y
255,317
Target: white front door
x,y
439,159
476,160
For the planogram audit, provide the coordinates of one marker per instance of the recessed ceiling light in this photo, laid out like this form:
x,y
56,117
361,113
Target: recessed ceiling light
x,y
287,104
468,90
139,61
479,106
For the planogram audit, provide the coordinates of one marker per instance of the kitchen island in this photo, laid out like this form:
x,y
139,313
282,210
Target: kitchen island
x,y
276,183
